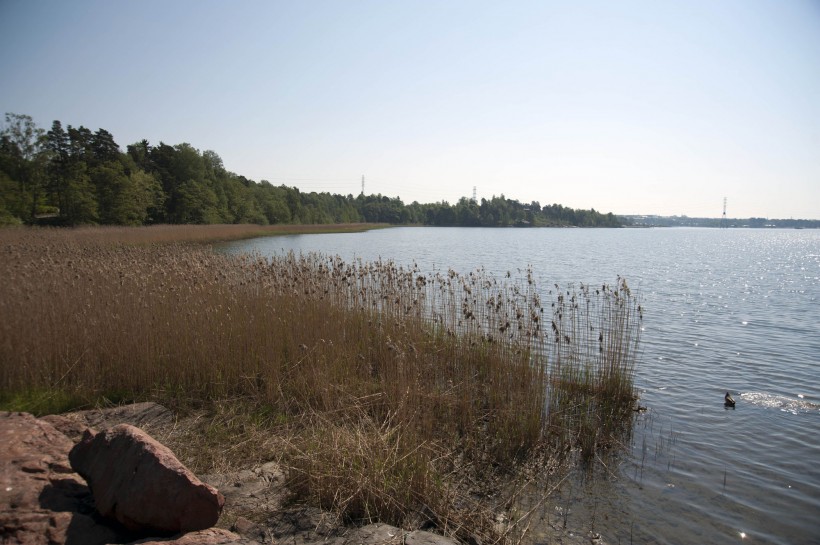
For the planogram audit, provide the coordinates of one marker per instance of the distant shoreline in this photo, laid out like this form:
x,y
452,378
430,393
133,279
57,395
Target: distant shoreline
x,y
728,223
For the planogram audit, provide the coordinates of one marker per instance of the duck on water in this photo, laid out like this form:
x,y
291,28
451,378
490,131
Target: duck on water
x,y
728,401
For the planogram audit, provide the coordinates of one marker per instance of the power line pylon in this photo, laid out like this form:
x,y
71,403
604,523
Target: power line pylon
x,y
724,223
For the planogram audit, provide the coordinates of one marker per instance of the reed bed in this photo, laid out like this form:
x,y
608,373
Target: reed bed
x,y
159,234
388,389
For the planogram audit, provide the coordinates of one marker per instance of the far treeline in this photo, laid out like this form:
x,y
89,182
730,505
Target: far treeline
x,y
72,176
752,223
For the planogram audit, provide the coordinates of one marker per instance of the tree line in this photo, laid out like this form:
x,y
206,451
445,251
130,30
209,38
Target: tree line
x,y
73,176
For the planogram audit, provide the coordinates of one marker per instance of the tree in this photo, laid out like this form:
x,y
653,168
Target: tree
x,y
110,180
140,195
8,196
196,203
140,153
24,161
103,147
79,202
59,143
271,200
86,178
467,213
80,143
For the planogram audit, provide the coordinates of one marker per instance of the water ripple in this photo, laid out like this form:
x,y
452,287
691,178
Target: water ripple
x,y
784,403
724,310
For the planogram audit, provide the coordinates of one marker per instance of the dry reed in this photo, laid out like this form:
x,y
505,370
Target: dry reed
x,y
387,382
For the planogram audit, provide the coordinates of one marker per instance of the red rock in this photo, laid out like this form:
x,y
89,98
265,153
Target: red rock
x,y
71,428
42,501
139,482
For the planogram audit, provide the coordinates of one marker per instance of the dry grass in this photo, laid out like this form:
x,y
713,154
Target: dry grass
x,y
158,234
382,388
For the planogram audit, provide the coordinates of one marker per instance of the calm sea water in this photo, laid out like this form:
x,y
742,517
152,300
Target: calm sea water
x,y
725,310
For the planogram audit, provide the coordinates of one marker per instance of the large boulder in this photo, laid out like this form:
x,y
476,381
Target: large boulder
x,y
140,483
42,501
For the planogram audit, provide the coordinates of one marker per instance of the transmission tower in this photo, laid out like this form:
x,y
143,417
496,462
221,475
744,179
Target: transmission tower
x,y
474,194
723,222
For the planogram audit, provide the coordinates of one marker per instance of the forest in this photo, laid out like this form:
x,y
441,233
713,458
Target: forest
x,y
72,176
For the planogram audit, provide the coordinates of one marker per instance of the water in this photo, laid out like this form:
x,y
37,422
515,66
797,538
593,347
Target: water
x,y
725,310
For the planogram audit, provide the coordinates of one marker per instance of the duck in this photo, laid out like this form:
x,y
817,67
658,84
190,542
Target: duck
x,y
728,401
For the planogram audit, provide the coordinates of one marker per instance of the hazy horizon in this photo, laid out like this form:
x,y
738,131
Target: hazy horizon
x,y
635,108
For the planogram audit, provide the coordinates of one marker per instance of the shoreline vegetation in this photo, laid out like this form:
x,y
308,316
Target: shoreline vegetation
x,y
193,234
390,394
73,176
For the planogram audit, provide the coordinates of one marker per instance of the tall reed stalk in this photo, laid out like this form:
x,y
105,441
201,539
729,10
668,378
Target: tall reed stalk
x,y
391,381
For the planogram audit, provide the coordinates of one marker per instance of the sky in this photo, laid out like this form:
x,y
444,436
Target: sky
x,y
630,107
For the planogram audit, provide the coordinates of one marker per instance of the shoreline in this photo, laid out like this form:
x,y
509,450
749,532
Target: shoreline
x,y
258,503
379,389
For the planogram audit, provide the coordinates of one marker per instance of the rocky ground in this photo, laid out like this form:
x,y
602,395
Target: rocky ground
x,y
44,500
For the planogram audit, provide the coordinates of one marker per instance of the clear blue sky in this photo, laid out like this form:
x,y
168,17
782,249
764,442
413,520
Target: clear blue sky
x,y
630,107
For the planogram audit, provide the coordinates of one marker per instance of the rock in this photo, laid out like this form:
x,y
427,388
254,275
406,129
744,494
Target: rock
x,y
146,416
256,491
142,415
250,529
420,537
374,534
70,427
140,483
212,536
384,534
42,501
